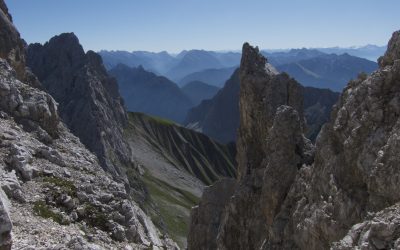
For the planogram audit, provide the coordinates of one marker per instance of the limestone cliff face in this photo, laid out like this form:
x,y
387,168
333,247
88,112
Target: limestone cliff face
x,y
347,197
89,102
358,155
12,47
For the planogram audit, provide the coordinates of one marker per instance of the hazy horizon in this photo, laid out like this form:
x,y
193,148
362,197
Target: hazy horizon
x,y
223,25
240,51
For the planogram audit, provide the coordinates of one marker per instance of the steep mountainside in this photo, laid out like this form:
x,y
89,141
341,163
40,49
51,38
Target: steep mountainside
x,y
219,116
198,91
318,104
328,71
194,152
344,198
146,92
53,192
215,77
178,163
89,102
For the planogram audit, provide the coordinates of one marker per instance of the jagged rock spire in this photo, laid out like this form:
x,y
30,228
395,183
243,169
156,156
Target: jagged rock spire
x,y
393,51
262,91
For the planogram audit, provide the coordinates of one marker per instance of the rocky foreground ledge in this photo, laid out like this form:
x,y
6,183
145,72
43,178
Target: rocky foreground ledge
x,y
56,193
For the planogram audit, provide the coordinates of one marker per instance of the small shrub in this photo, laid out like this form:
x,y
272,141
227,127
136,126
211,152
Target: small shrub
x,y
95,217
43,210
362,76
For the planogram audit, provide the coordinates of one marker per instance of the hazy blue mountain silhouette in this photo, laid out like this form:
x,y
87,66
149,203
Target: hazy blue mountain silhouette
x,y
148,93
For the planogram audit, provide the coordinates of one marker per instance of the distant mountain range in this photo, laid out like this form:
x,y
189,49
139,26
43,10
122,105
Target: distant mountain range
x,y
194,81
215,77
173,67
325,68
370,52
158,63
291,56
146,92
193,61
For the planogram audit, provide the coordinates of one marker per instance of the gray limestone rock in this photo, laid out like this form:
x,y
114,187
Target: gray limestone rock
x,y
5,222
379,232
29,106
206,217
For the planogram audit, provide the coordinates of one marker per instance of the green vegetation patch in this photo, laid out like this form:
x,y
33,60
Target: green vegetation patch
x,y
95,217
43,210
66,186
173,205
162,120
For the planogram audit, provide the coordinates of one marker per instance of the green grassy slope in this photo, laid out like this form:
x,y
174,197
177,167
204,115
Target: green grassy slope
x,y
196,153
177,164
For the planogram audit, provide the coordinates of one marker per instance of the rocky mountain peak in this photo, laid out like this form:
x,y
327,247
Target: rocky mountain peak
x,y
89,102
254,62
270,145
262,91
393,51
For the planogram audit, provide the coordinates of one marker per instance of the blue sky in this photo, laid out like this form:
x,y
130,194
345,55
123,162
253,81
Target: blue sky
x,y
174,25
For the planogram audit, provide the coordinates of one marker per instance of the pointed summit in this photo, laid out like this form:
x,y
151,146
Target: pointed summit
x,y
253,62
393,51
